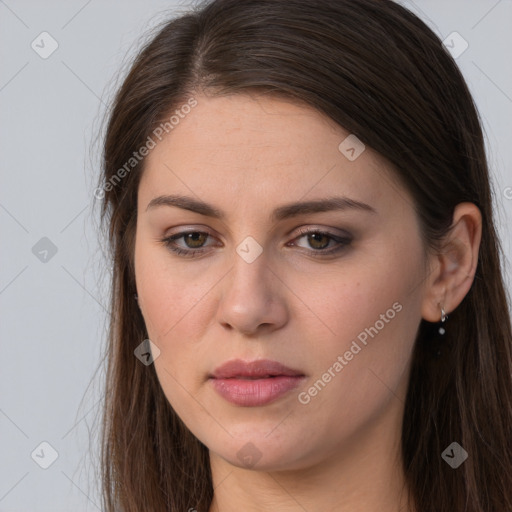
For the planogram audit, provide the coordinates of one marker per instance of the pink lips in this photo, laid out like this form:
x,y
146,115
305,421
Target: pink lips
x,y
254,383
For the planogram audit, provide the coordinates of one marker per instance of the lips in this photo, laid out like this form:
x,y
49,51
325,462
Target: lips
x,y
260,369
255,383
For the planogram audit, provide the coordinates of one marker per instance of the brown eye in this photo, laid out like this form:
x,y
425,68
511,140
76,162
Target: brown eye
x,y
322,243
187,243
318,240
195,239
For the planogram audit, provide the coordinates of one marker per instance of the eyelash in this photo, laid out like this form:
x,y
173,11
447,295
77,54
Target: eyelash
x,y
343,242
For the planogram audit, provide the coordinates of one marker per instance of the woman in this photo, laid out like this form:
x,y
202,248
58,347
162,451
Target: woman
x,y
308,310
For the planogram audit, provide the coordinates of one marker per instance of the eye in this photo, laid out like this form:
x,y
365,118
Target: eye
x,y
323,242
194,243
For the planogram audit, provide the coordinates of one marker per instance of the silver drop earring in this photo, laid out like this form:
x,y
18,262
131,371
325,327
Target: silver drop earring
x,y
444,317
437,339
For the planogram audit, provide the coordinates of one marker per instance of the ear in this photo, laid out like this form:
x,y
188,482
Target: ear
x,y
453,269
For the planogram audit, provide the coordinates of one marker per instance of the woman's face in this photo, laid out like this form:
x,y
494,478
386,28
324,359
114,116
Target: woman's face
x,y
340,309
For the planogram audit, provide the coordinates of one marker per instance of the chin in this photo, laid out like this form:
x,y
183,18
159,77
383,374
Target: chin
x,y
260,453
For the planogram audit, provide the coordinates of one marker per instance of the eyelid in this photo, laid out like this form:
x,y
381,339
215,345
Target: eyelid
x,y
308,228
183,230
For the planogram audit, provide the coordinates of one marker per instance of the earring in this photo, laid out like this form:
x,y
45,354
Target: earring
x,y
444,317
438,342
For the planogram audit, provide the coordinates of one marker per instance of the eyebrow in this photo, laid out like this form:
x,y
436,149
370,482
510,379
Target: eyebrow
x,y
282,212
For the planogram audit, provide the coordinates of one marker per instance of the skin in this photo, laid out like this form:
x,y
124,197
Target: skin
x,y
247,155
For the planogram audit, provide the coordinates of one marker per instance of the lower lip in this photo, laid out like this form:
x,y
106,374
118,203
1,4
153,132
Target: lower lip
x,y
252,393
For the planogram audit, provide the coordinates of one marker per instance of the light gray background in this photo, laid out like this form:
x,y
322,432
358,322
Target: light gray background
x,y
54,312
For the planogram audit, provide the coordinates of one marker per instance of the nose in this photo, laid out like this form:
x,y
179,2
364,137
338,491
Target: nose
x,y
252,297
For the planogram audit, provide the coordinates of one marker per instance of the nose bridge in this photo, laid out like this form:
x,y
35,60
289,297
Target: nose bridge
x,y
249,250
250,296
250,267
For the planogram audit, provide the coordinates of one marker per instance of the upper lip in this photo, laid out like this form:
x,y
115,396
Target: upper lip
x,y
260,368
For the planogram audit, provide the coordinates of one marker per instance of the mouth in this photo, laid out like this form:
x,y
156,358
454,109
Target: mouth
x,y
256,383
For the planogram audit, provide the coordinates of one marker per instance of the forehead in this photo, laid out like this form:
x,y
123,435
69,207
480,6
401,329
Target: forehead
x,y
243,148
253,123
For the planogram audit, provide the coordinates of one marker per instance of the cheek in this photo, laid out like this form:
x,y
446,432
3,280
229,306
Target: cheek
x,y
362,298
376,322
363,371
374,301
174,311
168,297
177,313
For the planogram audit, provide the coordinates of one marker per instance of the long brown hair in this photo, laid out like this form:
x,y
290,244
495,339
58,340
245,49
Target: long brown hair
x,y
382,74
